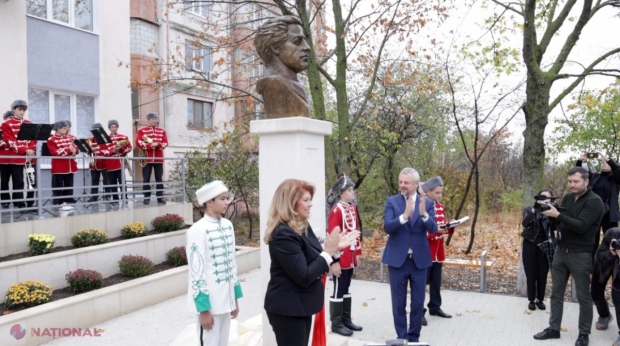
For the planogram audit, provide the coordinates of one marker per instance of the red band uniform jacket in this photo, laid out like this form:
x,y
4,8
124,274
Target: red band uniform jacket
x,y
17,149
345,216
158,135
61,146
436,240
96,164
108,150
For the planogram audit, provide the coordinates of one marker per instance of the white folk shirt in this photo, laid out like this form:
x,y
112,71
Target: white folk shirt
x,y
213,282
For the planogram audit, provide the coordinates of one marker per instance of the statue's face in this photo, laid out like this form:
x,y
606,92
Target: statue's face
x,y
294,52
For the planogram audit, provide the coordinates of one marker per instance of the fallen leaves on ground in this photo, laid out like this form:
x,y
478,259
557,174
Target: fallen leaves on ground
x,y
562,329
364,304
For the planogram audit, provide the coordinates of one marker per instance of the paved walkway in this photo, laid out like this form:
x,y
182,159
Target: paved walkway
x,y
479,319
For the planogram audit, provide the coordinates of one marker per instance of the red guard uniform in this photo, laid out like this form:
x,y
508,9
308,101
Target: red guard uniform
x,y
17,148
108,150
345,216
96,164
158,135
61,146
436,241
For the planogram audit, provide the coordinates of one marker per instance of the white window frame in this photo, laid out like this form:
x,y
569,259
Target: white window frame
x,y
197,8
82,164
198,62
71,22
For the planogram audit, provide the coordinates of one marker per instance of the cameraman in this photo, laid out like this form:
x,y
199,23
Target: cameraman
x,y
606,264
577,225
605,185
535,263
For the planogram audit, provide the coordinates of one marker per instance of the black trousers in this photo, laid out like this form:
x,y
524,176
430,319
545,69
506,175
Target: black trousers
x,y
290,330
62,181
16,174
342,283
433,280
605,225
114,179
536,267
4,184
159,173
95,176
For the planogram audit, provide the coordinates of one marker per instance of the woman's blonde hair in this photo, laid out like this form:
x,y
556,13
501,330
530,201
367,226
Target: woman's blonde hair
x,y
282,208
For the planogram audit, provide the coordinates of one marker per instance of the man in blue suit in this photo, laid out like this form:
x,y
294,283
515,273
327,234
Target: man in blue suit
x,y
406,219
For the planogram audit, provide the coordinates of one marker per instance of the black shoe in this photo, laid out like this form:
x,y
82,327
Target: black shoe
x,y
440,313
161,201
531,306
540,305
335,315
92,200
346,315
547,334
5,205
582,340
424,322
146,201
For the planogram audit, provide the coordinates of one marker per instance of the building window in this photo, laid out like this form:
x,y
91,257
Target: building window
x,y
197,58
258,112
75,13
199,114
197,7
48,107
135,103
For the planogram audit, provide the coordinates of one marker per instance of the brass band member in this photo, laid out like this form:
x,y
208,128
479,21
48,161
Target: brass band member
x,y
153,140
97,168
61,145
4,169
119,147
20,152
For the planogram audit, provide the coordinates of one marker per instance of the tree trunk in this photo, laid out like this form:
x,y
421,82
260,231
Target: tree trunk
x,y
340,84
472,233
462,204
314,76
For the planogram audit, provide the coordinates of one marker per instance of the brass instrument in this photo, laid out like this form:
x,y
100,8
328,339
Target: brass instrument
x,y
29,176
122,142
91,162
142,153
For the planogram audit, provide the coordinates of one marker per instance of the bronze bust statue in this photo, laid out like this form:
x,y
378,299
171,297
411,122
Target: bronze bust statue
x,y
281,44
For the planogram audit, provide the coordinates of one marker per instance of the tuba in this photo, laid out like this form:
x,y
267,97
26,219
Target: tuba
x,y
29,176
142,153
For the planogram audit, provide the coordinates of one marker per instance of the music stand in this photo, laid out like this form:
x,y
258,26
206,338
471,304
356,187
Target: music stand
x,y
83,146
101,136
34,132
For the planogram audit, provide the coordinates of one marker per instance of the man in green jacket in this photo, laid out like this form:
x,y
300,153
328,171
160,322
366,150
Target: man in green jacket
x,y
577,225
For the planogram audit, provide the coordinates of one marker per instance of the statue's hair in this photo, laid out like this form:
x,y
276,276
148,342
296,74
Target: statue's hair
x,y
273,33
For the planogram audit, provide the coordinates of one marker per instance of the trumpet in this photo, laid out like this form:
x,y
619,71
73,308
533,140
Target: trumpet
x,y
122,142
29,176
142,153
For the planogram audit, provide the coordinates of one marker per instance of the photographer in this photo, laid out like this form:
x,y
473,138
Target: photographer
x,y
605,184
535,263
605,264
577,225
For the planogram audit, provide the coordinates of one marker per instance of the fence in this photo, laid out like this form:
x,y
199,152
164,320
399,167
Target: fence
x,y
37,198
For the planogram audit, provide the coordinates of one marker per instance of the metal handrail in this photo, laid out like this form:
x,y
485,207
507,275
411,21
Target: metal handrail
x,y
171,189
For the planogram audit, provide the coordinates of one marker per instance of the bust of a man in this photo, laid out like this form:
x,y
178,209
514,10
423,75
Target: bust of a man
x,y
281,44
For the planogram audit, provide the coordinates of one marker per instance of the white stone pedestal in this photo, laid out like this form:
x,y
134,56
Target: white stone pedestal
x,y
289,148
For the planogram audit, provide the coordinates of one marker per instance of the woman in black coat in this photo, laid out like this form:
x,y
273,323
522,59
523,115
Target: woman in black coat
x,y
535,262
295,291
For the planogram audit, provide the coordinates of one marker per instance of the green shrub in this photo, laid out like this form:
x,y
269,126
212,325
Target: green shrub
x,y
89,237
26,294
134,230
83,280
168,223
40,244
135,266
177,256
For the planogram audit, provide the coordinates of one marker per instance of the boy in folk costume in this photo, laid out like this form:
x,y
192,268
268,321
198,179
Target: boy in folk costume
x,y
60,144
119,147
97,168
433,189
152,140
344,215
213,282
4,162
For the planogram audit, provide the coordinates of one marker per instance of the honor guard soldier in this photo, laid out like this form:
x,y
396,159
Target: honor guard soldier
x,y
152,140
4,161
20,152
119,147
63,169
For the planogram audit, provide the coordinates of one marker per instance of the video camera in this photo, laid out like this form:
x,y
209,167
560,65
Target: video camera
x,y
540,207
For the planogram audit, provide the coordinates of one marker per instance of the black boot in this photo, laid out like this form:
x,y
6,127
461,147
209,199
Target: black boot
x,y
346,315
335,315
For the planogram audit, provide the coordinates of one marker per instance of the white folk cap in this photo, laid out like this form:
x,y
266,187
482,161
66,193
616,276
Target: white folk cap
x,y
210,191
